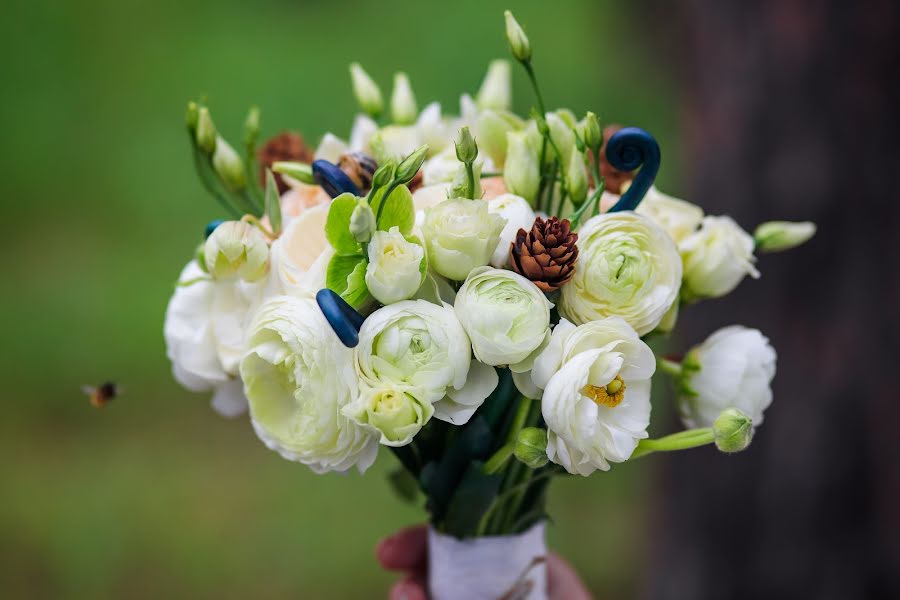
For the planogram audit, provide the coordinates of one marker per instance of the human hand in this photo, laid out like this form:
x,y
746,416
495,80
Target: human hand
x,y
406,552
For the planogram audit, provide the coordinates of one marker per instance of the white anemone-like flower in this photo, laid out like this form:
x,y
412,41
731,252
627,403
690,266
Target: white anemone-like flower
x,y
297,377
204,333
422,348
733,368
717,257
506,317
518,215
596,399
627,267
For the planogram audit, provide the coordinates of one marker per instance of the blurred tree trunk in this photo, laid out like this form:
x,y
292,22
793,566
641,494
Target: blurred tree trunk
x,y
792,113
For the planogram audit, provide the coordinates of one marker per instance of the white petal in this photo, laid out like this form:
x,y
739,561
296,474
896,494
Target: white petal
x,y
228,400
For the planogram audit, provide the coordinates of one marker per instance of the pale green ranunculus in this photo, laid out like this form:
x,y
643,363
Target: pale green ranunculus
x,y
506,317
677,217
460,235
627,267
395,270
393,411
716,258
297,378
237,250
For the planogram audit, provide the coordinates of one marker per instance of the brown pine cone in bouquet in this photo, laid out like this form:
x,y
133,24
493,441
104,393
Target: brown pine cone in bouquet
x,y
546,254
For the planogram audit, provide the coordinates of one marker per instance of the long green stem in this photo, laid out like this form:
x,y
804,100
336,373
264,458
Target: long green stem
x,y
470,176
683,440
506,494
498,459
670,367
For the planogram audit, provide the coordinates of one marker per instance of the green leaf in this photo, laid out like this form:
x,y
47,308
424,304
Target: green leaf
x,y
398,211
346,276
404,484
273,203
337,226
473,496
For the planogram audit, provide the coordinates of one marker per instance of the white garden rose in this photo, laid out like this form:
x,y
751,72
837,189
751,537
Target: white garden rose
x,y
506,317
677,217
716,258
393,411
297,378
596,400
733,368
301,254
237,250
627,267
204,333
460,235
518,215
422,348
394,271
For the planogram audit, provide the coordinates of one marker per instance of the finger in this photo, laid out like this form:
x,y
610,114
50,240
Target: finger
x,y
406,550
563,582
411,588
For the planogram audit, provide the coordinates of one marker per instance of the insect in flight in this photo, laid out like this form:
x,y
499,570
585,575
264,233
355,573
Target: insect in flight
x,y
101,395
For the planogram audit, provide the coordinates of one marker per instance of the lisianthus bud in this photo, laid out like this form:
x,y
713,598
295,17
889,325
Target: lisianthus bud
x,y
518,41
593,135
299,171
733,430
251,126
403,101
459,236
228,165
366,91
192,116
362,222
521,171
531,447
496,89
394,142
576,179
410,165
395,270
716,258
776,236
466,148
563,137
237,249
206,131
492,127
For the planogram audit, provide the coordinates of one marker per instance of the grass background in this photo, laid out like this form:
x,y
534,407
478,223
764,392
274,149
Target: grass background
x,y
155,496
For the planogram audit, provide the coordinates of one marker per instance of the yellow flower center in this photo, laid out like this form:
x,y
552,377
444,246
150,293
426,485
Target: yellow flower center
x,y
610,395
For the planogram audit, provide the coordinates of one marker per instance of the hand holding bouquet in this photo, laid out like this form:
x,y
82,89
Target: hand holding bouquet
x,y
476,294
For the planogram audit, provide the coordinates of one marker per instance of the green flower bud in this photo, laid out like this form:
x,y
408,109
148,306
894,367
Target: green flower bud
x,y
576,179
593,134
521,171
384,174
492,128
362,222
366,91
776,236
410,165
192,116
733,430
237,249
403,101
518,41
495,92
531,447
466,148
228,165
297,170
206,131
251,126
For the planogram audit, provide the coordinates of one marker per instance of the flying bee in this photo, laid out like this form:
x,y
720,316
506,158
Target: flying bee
x,y
101,394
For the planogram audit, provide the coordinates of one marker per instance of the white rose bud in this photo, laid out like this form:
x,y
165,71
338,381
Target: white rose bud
x,y
362,222
521,171
495,92
393,412
506,317
733,368
403,101
237,250
627,267
460,235
394,271
716,258
776,236
518,215
366,91
678,218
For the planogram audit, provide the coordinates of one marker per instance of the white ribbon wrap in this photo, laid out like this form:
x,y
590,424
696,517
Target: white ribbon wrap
x,y
508,567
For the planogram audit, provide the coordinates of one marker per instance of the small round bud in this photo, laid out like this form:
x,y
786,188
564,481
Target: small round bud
x,y
251,126
410,165
362,222
531,447
466,148
518,41
229,165
776,236
403,102
206,131
367,93
593,134
237,249
733,430
192,115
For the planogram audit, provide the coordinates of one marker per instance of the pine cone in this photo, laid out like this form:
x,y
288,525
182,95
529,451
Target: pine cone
x,y
612,177
547,254
286,146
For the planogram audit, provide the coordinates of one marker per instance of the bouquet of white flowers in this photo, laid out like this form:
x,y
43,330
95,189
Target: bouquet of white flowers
x,y
475,293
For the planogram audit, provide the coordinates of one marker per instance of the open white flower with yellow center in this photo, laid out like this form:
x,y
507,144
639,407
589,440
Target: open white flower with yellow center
x,y
395,269
297,377
422,349
717,257
627,267
596,399
506,317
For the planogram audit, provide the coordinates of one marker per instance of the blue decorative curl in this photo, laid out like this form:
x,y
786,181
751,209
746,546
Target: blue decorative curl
x,y
334,181
344,320
628,149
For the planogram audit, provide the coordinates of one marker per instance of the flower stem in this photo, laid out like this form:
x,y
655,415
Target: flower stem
x,y
683,440
498,459
670,367
470,176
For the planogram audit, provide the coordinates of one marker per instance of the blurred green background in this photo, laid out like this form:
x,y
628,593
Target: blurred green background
x,y
156,496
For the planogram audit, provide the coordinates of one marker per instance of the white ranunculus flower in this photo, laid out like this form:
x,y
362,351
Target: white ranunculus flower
x,y
393,411
518,215
460,235
677,217
627,267
733,368
716,258
423,348
301,254
297,378
204,333
596,400
506,317
394,271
